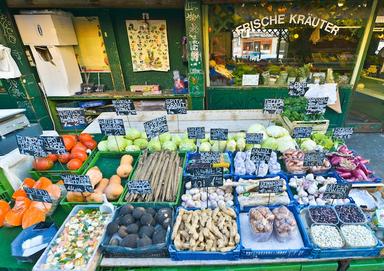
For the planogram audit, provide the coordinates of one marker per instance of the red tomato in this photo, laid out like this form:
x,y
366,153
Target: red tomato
x,y
85,137
79,147
42,164
74,164
64,158
52,157
69,142
90,144
82,155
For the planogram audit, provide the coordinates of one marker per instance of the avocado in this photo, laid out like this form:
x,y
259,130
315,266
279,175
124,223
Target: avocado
x,y
144,241
162,214
147,230
132,228
146,219
126,209
127,219
138,212
122,231
167,222
151,211
114,241
112,228
130,241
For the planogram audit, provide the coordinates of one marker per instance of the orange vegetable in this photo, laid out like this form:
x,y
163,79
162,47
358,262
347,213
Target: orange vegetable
x,y
29,182
69,142
4,209
74,164
114,188
42,163
42,183
33,216
52,157
20,193
14,217
90,144
54,191
85,137
79,146
97,195
64,158
82,155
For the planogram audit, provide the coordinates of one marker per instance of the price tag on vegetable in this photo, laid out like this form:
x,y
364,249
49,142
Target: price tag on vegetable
x,y
253,138
342,132
207,157
39,195
192,166
337,191
113,127
212,177
156,127
77,183
260,154
314,159
196,132
275,186
302,132
316,105
297,88
139,187
124,107
53,144
273,106
72,117
31,145
175,106
219,134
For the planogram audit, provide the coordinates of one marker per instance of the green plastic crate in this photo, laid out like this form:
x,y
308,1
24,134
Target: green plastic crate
x,y
367,265
107,162
320,266
6,189
170,204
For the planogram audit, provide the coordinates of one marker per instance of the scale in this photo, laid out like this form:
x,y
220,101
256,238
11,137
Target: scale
x,y
12,120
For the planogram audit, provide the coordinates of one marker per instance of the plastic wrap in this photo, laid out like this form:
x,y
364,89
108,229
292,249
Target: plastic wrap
x,y
284,226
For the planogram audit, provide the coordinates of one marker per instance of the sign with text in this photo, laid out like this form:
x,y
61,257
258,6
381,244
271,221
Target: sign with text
x,y
342,132
175,106
124,107
72,117
139,187
207,177
253,138
260,154
206,157
156,127
192,166
275,186
39,195
219,134
314,159
273,106
53,144
302,132
316,105
113,127
31,145
337,191
297,88
250,79
196,132
77,183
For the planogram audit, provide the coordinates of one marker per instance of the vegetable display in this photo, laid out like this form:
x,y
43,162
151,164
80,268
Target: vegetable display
x,y
323,215
294,163
350,214
358,236
295,110
245,166
326,236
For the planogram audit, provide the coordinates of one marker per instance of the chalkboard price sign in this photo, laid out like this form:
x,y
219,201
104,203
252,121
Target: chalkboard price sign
x,y
113,127
196,132
219,134
273,106
297,88
316,105
302,132
39,195
253,138
31,145
124,107
313,159
342,132
139,187
175,106
53,144
275,186
77,183
72,117
337,191
207,157
212,177
260,154
192,166
156,127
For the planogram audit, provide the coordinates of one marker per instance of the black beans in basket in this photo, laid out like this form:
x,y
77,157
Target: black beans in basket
x,y
350,214
323,215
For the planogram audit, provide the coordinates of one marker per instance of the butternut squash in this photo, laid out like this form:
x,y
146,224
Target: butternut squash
x,y
94,175
126,159
114,188
75,197
97,195
124,170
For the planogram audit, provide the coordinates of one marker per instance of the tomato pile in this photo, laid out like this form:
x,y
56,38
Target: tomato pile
x,y
77,147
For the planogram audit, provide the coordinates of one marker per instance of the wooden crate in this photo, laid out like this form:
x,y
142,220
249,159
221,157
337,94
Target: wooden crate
x,y
320,126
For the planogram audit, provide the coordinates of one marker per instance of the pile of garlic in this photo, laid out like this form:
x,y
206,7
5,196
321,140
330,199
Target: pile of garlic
x,y
310,190
245,166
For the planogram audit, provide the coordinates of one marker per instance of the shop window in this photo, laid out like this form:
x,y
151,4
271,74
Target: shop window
x,y
287,39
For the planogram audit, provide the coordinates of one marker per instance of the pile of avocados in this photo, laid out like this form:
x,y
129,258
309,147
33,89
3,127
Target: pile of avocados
x,y
139,227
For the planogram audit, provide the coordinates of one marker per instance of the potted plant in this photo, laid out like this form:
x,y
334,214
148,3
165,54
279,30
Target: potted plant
x,y
292,74
274,72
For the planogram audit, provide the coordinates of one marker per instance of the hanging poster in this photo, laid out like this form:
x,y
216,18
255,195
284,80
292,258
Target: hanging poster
x,y
149,45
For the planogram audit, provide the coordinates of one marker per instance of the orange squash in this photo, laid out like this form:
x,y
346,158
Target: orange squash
x,y
14,217
42,183
33,216
29,182
4,209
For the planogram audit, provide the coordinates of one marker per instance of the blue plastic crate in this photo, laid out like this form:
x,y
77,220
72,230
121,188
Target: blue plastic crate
x,y
184,255
228,175
248,253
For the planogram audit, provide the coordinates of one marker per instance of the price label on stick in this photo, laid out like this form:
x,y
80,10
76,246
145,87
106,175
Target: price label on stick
x,y
314,159
31,145
113,127
196,132
72,117
253,138
192,166
77,183
53,144
316,105
219,134
156,127
206,157
175,106
337,191
139,187
297,88
39,195
260,154
342,132
207,177
124,107
302,132
275,186
273,106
